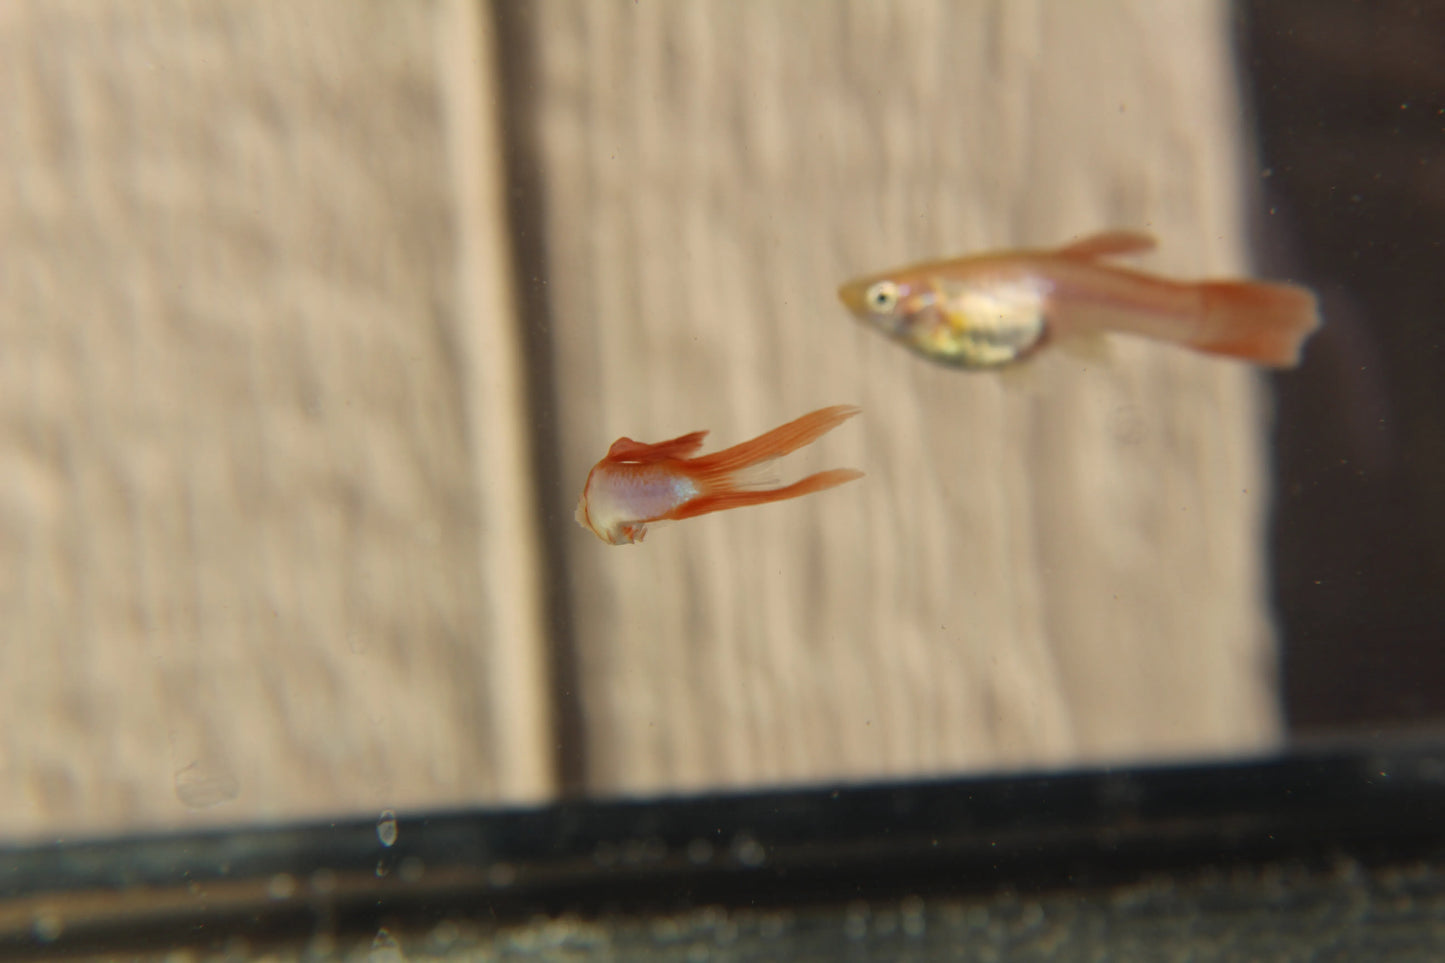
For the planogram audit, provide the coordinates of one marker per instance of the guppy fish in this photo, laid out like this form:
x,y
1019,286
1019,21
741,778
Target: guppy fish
x,y
637,483
995,309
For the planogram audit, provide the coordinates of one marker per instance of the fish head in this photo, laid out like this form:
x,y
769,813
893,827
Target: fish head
x,y
624,533
583,514
907,309
606,524
886,303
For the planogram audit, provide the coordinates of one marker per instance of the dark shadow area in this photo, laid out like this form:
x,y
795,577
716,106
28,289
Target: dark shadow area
x,y
526,219
1350,103
1338,856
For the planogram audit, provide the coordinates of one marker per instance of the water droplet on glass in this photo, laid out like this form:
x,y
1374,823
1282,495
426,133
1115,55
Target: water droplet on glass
x,y
772,925
604,854
385,949
748,851
1126,424
386,828
323,881
205,783
666,929
47,925
914,922
699,852
281,886
445,935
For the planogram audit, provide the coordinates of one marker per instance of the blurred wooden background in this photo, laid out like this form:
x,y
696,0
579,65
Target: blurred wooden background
x,y
314,316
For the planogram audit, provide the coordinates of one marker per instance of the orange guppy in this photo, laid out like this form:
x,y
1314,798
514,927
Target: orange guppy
x,y
637,483
995,309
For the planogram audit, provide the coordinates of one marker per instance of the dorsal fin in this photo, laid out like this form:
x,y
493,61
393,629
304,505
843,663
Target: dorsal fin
x,y
627,450
1109,244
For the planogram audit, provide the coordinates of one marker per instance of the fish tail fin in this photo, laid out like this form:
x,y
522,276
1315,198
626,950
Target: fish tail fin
x,y
733,477
773,444
724,496
1264,323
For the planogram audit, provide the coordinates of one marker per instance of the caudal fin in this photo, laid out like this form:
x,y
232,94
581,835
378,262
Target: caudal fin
x,y
724,480
724,498
774,444
1264,323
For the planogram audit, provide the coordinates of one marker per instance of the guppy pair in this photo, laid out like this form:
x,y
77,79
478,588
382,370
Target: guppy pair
x,y
981,312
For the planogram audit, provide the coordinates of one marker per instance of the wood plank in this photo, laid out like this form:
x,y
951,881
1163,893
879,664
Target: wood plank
x,y
1054,569
256,393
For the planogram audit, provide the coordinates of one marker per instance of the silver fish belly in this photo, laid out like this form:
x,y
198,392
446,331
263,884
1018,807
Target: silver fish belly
x,y
984,327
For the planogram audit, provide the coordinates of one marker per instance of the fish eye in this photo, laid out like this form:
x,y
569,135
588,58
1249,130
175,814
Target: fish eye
x,y
882,297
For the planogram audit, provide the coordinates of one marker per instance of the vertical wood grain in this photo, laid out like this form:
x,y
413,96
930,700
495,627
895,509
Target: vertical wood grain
x,y
1049,568
259,437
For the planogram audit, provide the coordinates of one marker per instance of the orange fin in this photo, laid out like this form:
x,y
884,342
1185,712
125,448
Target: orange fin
x,y
640,452
726,498
1264,323
1109,244
776,443
723,476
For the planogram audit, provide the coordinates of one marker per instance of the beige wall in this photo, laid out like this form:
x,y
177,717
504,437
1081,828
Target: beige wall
x,y
269,545
249,549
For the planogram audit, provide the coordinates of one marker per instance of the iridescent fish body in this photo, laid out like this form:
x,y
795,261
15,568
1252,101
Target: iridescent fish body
x,y
639,483
993,310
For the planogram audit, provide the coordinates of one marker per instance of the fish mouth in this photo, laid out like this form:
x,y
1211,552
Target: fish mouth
x,y
853,297
584,519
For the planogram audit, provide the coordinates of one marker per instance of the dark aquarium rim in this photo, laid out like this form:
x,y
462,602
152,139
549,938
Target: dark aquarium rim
x,y
1077,831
